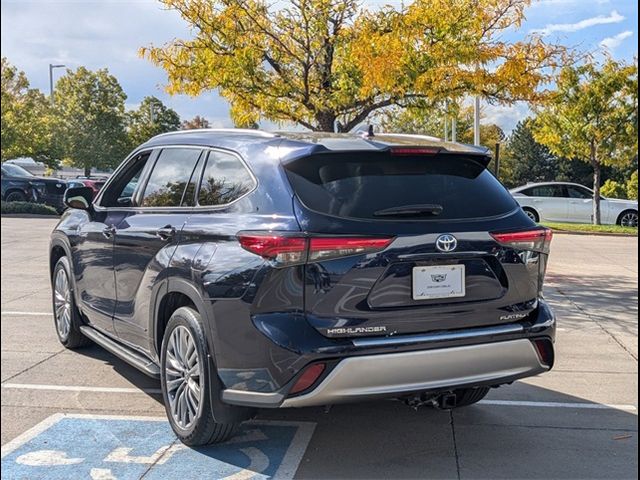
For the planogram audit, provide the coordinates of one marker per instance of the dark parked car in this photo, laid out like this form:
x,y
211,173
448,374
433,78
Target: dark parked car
x,y
251,270
20,185
94,183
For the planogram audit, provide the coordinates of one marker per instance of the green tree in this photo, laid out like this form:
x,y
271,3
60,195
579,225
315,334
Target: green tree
x,y
151,118
593,117
196,122
613,189
328,63
632,186
532,161
89,119
26,127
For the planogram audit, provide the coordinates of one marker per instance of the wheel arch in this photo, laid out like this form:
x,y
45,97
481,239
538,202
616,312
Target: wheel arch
x,y
533,210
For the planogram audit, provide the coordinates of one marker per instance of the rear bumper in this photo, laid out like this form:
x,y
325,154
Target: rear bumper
x,y
369,377
372,376
393,366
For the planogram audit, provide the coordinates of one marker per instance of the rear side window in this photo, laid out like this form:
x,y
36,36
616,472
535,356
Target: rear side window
x,y
374,186
545,191
170,176
225,179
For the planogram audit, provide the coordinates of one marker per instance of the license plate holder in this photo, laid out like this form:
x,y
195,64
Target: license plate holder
x,y
438,281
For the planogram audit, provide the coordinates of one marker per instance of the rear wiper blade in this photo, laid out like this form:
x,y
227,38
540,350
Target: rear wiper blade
x,y
410,211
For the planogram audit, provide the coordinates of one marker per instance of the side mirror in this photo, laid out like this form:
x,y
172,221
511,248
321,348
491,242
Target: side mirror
x,y
79,197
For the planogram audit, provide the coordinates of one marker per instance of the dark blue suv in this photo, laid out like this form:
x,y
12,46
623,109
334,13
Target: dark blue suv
x,y
254,270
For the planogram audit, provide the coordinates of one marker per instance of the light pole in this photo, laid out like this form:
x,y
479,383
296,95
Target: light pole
x,y
51,67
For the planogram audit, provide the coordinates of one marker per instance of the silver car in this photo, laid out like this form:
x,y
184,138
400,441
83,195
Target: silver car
x,y
572,203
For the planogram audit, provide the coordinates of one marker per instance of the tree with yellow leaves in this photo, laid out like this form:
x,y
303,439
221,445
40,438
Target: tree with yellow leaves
x,y
327,64
593,117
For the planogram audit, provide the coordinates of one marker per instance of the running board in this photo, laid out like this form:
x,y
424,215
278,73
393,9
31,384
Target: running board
x,y
124,353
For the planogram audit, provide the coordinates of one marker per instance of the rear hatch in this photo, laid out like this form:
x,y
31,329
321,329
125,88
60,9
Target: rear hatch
x,y
412,240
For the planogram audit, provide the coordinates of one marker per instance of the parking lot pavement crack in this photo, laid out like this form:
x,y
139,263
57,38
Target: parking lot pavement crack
x,y
597,322
168,451
33,366
455,444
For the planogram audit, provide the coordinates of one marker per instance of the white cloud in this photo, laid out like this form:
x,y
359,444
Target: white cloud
x,y
613,17
611,43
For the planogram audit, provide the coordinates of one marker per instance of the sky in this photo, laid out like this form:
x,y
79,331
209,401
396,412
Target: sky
x,y
108,33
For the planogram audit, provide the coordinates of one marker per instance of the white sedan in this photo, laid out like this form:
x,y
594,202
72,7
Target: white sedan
x,y
572,203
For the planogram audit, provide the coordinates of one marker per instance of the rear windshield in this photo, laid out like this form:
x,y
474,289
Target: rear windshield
x,y
382,187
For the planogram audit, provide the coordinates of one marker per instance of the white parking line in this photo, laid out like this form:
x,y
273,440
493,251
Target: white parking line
x,y
585,405
506,403
79,388
25,314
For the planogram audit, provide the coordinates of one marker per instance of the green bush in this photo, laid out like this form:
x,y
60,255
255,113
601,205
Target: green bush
x,y
613,189
632,186
28,208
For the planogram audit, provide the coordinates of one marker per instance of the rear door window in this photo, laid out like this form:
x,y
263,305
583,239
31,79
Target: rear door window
x,y
170,176
224,180
549,191
376,186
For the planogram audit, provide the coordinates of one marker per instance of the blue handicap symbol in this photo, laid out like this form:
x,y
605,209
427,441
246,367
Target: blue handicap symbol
x,y
122,448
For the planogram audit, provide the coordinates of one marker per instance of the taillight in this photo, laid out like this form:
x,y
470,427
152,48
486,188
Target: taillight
x,y
285,249
281,249
538,240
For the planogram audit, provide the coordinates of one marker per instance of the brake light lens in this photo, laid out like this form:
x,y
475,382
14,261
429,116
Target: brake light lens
x,y
286,250
402,151
281,249
538,240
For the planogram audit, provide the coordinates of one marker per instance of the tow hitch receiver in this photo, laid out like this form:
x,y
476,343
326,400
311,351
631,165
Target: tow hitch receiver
x,y
443,401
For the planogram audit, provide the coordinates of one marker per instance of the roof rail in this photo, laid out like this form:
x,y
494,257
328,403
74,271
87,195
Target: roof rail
x,y
259,133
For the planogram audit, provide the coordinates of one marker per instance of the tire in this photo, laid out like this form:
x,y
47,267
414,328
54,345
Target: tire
x,y
469,396
66,317
185,381
15,196
532,214
628,218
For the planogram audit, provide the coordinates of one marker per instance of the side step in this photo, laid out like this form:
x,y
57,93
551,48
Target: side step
x,y
131,357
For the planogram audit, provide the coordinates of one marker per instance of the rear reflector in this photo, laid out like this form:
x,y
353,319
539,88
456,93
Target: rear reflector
x,y
538,240
289,250
308,378
544,348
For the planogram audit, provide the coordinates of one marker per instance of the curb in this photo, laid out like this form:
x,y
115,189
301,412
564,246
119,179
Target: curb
x,y
597,234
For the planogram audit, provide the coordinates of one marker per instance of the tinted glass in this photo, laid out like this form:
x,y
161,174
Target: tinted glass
x,y
15,170
121,189
224,180
170,176
577,192
365,185
546,191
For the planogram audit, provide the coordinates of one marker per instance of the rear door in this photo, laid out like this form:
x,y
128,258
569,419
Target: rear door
x,y
580,204
550,202
148,234
443,269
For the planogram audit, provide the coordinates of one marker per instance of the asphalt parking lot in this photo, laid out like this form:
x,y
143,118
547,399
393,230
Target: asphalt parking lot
x,y
86,414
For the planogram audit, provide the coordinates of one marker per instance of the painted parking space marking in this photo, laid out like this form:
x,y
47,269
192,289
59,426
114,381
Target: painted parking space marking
x,y
27,314
158,391
80,388
109,447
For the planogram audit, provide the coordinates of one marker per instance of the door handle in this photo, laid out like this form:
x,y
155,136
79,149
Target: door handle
x,y
109,231
166,233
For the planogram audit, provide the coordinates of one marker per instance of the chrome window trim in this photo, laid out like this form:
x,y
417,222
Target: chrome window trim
x,y
196,208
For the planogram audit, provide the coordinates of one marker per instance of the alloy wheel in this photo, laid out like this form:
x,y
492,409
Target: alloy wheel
x,y
531,215
183,377
629,219
62,303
